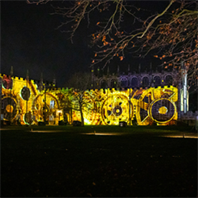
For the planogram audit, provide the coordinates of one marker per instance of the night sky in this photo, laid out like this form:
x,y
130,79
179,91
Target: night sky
x,y
30,40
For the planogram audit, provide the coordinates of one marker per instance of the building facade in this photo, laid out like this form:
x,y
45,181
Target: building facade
x,y
143,98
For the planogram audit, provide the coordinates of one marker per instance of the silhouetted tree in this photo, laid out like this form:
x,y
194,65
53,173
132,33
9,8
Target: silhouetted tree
x,y
80,98
122,27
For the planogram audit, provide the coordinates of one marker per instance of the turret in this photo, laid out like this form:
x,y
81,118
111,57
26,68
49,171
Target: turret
x,y
184,94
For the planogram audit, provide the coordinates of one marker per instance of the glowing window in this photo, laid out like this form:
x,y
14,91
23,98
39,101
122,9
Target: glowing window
x,y
52,103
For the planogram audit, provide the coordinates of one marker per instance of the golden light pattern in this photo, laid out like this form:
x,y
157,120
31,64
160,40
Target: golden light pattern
x,y
9,108
151,100
163,110
161,118
91,117
116,108
103,107
42,104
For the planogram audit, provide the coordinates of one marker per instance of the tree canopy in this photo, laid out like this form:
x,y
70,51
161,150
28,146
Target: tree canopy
x,y
80,99
120,27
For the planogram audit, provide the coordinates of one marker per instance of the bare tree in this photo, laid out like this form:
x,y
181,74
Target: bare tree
x,y
109,36
122,28
66,104
80,97
173,35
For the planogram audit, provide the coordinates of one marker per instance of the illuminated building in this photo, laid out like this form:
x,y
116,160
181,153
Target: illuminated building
x,y
145,97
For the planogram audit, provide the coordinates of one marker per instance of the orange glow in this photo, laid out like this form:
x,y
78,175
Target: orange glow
x,y
9,108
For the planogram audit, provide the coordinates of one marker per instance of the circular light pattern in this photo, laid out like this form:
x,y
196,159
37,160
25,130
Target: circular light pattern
x,y
153,106
162,117
42,109
25,93
116,108
10,108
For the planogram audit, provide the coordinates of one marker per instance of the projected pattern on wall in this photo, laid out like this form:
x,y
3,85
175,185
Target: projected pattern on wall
x,y
146,106
115,108
156,104
105,107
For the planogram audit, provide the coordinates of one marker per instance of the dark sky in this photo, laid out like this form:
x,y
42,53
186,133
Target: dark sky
x,y
30,40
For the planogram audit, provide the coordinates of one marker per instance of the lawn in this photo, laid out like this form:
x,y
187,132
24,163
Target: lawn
x,y
68,161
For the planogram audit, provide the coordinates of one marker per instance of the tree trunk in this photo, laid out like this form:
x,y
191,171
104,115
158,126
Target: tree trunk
x,y
82,118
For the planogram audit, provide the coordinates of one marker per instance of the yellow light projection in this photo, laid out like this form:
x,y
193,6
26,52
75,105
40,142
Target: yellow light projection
x,y
146,105
46,104
116,108
9,108
163,110
91,117
19,95
102,107
156,104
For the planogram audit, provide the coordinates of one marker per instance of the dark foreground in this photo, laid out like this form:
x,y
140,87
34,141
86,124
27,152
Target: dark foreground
x,y
139,163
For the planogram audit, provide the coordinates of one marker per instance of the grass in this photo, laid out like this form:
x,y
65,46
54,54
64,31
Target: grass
x,y
68,163
102,128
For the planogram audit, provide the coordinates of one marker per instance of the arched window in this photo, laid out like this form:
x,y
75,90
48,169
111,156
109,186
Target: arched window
x,y
114,83
157,81
134,82
145,82
169,80
104,84
124,82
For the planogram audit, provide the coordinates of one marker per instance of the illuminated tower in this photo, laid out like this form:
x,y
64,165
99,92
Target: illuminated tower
x,y
184,89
